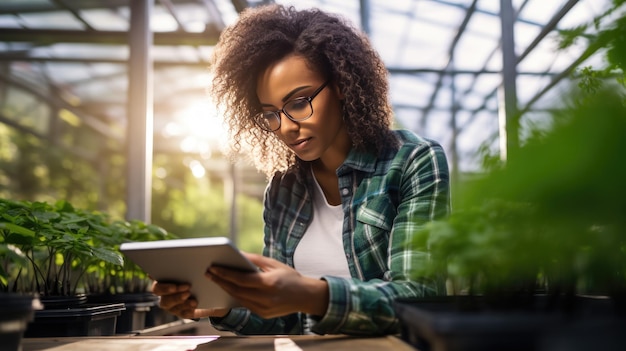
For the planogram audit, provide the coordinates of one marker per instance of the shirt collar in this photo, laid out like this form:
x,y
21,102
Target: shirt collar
x,y
360,160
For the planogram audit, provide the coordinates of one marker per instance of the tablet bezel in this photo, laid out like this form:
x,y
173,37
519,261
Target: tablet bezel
x,y
186,261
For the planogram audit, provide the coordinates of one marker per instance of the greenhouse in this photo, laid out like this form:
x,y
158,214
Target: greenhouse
x,y
496,211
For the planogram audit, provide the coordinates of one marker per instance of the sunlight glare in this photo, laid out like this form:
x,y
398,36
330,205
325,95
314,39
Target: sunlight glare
x,y
197,169
202,128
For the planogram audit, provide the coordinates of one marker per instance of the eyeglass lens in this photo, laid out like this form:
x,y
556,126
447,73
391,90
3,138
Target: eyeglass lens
x,y
298,109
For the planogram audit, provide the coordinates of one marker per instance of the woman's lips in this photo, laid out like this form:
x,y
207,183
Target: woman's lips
x,y
300,144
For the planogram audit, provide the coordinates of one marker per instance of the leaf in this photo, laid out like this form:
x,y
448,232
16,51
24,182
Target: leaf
x,y
568,37
158,232
14,228
108,255
45,216
21,240
64,206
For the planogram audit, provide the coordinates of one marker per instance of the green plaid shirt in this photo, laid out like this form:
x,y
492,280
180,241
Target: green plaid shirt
x,y
385,200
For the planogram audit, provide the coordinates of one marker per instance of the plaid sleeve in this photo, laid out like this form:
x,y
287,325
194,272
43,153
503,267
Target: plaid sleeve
x,y
365,307
241,321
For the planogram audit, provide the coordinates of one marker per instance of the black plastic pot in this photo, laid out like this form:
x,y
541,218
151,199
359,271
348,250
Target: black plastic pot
x,y
83,319
462,323
61,302
17,310
606,334
137,306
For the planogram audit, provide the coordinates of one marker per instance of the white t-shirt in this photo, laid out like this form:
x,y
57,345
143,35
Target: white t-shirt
x,y
320,251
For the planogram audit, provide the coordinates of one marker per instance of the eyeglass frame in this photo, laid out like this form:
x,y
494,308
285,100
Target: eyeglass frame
x,y
277,113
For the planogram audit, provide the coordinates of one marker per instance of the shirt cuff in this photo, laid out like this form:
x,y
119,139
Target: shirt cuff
x,y
338,307
234,320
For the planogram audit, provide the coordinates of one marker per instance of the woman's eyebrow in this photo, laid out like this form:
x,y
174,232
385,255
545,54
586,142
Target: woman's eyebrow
x,y
289,95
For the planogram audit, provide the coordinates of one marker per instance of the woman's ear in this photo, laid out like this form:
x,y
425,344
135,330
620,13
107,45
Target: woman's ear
x,y
338,92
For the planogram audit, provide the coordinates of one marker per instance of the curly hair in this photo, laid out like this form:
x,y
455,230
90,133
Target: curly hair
x,y
331,46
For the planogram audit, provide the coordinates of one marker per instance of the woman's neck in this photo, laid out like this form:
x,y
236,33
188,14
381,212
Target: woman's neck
x,y
325,172
334,157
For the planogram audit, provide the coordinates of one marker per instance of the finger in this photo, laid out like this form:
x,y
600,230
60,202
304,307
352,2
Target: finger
x,y
261,261
161,289
226,285
237,291
235,277
186,309
258,260
169,301
211,312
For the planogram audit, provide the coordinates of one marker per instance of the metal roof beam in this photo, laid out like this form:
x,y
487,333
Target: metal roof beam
x,y
557,78
55,36
71,150
451,72
551,25
172,11
495,50
157,64
548,27
91,121
240,5
214,14
11,8
364,11
451,48
495,14
63,6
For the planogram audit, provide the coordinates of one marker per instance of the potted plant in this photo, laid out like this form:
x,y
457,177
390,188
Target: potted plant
x,y
17,308
127,283
534,252
543,235
536,245
58,243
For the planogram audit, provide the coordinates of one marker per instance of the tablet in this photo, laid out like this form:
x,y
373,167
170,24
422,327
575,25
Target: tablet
x,y
186,261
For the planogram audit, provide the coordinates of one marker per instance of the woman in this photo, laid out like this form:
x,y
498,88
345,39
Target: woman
x,y
307,96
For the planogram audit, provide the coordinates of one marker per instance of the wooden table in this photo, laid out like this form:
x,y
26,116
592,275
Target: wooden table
x,y
208,342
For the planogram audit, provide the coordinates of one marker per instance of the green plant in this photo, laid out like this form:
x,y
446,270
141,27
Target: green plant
x,y
13,260
59,242
109,278
552,219
601,33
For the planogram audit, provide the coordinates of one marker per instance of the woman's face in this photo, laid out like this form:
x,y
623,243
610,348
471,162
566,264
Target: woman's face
x,y
323,135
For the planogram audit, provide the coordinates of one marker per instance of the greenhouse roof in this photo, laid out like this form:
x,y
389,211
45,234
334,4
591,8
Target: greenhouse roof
x,y
69,60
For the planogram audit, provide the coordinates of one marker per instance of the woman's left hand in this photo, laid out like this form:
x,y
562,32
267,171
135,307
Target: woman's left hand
x,y
275,291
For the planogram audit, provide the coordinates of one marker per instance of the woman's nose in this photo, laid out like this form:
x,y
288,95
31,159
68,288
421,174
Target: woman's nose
x,y
287,125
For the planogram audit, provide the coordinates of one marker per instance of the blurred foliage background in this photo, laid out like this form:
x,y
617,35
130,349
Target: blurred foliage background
x,y
47,153
91,176
551,217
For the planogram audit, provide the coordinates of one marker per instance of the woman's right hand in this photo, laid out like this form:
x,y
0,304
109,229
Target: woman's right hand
x,y
177,299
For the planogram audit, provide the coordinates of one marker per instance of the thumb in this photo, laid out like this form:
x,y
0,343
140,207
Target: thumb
x,y
264,263
211,312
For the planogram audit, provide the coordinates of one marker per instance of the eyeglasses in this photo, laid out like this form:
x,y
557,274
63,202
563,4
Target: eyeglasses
x,y
296,110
